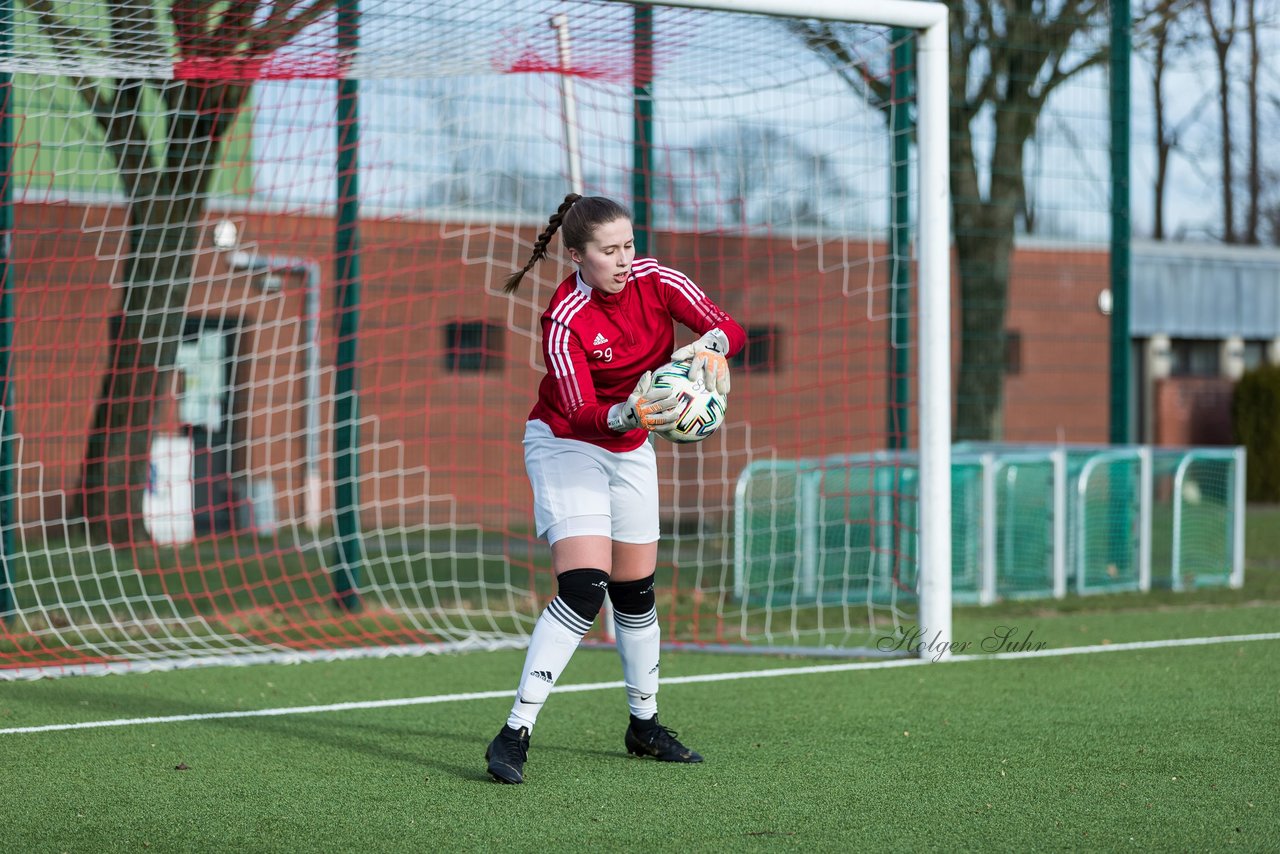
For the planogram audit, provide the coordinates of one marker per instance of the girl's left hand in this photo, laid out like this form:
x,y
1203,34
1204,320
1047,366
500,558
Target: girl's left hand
x,y
709,360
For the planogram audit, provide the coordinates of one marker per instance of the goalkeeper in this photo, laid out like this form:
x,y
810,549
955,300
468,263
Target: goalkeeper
x,y
593,472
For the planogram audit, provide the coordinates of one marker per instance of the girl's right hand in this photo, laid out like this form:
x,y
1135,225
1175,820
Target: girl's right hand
x,y
649,408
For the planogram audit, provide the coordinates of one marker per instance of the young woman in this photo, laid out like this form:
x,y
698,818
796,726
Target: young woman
x,y
593,471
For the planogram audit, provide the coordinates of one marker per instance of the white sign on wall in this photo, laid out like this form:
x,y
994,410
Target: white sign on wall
x,y
166,505
203,366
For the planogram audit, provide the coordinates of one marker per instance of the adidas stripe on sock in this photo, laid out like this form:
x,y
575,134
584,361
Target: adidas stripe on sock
x,y
555,637
639,638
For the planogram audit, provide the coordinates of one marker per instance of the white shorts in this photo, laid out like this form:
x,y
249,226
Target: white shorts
x,y
580,489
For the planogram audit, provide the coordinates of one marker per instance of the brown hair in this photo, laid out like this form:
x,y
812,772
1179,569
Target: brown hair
x,y
579,217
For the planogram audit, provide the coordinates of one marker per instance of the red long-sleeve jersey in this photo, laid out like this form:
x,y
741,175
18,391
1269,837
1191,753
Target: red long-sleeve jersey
x,y
596,346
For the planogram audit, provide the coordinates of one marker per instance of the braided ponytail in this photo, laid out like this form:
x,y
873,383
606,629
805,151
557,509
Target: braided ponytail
x,y
540,246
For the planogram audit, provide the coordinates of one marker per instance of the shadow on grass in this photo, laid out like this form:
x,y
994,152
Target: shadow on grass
x,y
318,728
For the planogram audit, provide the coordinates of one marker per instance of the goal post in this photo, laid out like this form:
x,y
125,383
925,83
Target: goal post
x,y
935,333
268,393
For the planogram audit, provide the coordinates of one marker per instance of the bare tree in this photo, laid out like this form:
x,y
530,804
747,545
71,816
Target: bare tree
x,y
1253,213
165,169
1220,18
1165,36
1007,60
1163,143
762,177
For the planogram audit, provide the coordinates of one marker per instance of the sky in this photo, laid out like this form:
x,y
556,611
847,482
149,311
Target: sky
x,y
768,117
461,111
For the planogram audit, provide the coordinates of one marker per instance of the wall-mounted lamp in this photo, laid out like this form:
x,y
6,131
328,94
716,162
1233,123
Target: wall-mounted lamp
x,y
1104,301
225,234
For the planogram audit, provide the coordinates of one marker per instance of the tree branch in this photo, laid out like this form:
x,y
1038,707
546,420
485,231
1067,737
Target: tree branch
x,y
279,13
822,40
192,27
66,41
1059,75
125,135
237,21
276,32
975,33
133,31
65,37
204,36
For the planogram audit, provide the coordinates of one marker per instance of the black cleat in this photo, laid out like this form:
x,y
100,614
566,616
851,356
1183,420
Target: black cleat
x,y
507,753
650,738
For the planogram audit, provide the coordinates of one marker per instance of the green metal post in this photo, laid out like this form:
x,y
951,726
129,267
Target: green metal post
x,y
898,393
1121,360
642,146
7,484
902,79
1124,482
346,407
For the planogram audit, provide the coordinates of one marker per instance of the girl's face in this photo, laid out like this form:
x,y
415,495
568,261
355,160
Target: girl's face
x,y
605,262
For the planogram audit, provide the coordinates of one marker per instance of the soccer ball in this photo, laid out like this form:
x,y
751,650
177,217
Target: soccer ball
x,y
701,410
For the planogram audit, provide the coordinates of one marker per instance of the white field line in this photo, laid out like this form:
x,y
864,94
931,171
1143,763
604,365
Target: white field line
x,y
675,680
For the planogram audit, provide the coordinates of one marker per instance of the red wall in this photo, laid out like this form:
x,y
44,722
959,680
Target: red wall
x,y
1193,411
1060,393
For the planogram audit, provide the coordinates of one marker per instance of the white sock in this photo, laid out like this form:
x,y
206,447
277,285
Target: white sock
x,y
639,643
555,637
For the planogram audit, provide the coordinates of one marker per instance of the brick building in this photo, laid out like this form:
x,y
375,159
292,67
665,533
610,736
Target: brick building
x,y
448,367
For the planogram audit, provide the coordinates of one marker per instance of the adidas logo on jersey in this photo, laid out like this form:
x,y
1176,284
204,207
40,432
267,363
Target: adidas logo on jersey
x,y
544,675
600,339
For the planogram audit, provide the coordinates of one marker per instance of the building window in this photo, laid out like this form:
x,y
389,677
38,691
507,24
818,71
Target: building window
x,y
1012,352
1255,354
1195,357
472,346
761,355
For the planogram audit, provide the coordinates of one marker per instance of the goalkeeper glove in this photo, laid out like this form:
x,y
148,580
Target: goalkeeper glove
x,y
709,357
654,410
